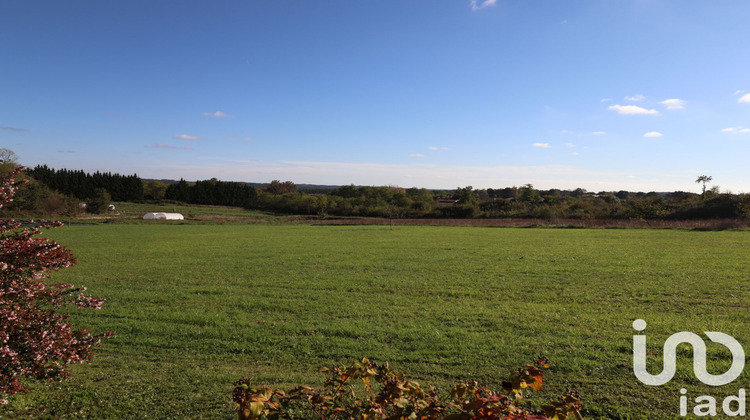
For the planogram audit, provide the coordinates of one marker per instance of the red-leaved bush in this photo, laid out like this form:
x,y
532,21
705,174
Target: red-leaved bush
x,y
35,341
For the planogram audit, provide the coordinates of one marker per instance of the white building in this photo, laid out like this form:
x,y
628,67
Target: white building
x,y
163,216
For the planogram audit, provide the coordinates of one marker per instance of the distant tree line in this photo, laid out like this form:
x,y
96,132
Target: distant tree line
x,y
510,202
212,192
84,186
464,202
285,197
528,202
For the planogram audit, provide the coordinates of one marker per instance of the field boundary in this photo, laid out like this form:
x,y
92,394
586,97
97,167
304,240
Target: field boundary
x,y
709,224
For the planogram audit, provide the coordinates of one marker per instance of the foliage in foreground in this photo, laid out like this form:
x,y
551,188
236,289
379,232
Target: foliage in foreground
x,y
399,398
36,341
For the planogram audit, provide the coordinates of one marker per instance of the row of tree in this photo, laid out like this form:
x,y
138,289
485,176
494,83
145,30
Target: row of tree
x,y
48,194
351,201
512,202
212,192
84,186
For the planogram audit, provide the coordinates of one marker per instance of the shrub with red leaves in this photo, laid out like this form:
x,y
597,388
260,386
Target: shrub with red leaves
x,y
35,341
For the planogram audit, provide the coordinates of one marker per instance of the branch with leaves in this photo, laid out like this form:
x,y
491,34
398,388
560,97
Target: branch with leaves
x,y
35,340
389,395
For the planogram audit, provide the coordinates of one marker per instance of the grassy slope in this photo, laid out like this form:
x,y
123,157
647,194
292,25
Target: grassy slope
x,y
196,307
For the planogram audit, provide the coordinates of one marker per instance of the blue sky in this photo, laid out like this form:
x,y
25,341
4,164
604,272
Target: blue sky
x,y
640,95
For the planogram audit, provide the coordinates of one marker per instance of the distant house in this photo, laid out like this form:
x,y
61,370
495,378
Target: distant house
x,y
163,216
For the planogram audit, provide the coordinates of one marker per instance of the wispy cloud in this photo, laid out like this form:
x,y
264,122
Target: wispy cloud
x,y
653,134
169,146
416,155
635,98
185,137
66,151
744,98
217,114
599,133
738,92
736,130
476,6
673,104
632,110
570,145
541,145
603,100
247,139
12,128
240,161
433,148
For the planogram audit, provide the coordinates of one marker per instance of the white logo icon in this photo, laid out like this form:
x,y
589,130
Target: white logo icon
x,y
699,357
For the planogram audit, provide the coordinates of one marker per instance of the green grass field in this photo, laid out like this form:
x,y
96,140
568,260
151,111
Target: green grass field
x,y
195,307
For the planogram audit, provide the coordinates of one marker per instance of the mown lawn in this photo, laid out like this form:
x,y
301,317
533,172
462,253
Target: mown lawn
x,y
195,307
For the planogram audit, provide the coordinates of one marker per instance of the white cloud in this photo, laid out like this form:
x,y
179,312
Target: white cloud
x,y
169,146
599,133
417,155
744,98
736,130
433,148
605,100
673,103
185,137
635,98
653,134
570,145
485,3
738,92
574,153
632,110
217,114
542,145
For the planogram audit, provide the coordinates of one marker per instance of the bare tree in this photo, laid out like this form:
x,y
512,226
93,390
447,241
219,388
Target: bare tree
x,y
8,156
8,161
